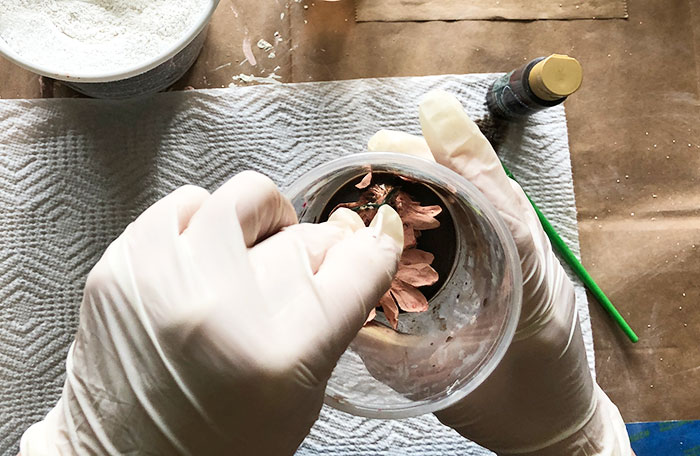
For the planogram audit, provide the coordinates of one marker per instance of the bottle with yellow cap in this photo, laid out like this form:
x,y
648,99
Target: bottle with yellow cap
x,y
543,82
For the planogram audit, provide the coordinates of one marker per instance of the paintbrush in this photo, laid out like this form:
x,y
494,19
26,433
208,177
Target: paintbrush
x,y
570,258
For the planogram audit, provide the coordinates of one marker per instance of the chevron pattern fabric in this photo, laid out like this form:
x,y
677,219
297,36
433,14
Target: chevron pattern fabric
x,y
75,172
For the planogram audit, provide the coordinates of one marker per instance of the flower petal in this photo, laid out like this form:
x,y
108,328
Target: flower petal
x,y
391,311
412,213
422,217
372,315
408,297
409,237
415,256
364,183
417,275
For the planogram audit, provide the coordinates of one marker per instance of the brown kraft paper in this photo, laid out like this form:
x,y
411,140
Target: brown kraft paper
x,y
448,10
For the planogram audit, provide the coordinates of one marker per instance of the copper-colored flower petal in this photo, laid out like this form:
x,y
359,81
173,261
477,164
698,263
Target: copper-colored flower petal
x,y
422,217
412,213
391,311
364,183
409,237
372,315
417,275
408,297
415,256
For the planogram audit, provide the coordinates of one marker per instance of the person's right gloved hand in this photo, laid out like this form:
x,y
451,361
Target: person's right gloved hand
x,y
212,324
541,399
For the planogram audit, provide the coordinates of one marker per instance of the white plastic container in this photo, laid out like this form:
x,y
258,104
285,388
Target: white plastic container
x,y
144,78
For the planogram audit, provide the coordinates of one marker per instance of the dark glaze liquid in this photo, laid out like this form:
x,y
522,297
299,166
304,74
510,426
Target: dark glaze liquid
x,y
439,241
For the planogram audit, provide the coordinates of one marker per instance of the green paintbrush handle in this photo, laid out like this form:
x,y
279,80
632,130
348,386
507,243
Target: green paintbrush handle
x,y
578,268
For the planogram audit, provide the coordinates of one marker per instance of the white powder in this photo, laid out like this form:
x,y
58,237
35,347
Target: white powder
x,y
271,78
95,36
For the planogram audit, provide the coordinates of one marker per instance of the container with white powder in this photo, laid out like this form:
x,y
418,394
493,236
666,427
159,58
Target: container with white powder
x,y
106,48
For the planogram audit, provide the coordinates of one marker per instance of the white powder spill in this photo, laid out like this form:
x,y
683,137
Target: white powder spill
x,y
264,45
271,78
95,36
221,66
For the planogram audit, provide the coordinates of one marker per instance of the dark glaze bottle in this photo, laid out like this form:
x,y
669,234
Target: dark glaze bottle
x,y
541,83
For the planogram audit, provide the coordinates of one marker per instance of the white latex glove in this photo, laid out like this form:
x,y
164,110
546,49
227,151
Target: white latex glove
x,y
206,328
541,399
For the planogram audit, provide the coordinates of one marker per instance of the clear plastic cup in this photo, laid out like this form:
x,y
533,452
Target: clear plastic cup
x,y
142,78
436,357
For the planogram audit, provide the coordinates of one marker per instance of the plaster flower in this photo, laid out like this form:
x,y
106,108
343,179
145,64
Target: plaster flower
x,y
415,268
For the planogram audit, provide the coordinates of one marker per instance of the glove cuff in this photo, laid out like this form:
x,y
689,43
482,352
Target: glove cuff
x,y
604,434
41,438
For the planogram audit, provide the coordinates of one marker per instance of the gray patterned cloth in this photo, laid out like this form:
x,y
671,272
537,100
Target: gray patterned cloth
x,y
75,172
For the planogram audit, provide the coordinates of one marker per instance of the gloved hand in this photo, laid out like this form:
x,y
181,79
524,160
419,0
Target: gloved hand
x,y
212,324
541,399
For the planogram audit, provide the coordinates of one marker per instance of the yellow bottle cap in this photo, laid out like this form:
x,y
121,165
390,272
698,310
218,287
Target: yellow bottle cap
x,y
556,77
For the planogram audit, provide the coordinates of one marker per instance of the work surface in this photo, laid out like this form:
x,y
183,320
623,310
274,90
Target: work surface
x,y
635,149
82,169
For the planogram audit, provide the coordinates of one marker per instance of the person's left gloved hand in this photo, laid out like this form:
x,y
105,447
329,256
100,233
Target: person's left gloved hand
x,y
541,399
206,328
